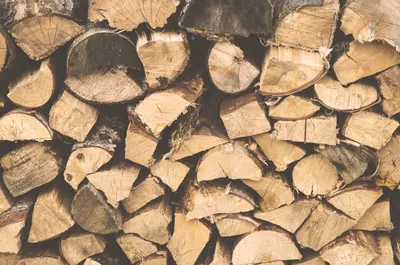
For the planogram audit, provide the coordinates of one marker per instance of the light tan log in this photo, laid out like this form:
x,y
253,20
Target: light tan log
x,y
229,70
234,224
386,256
134,247
9,258
354,248
273,190
40,254
323,225
51,214
7,50
77,246
143,193
222,253
289,70
116,182
357,96
33,88
232,160
376,218
171,173
293,108
151,222
317,129
29,166
158,258
369,128
387,83
310,260
281,153
188,240
6,199
289,217
363,60
23,125
389,169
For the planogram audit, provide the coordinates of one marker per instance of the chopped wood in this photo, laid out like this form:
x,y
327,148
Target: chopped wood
x,y
369,128
265,245
151,222
41,254
293,108
229,70
135,248
222,253
273,190
29,166
376,218
102,217
357,96
7,50
289,70
188,240
386,256
317,129
310,260
388,82
9,258
171,173
232,160
6,199
158,258
363,60
234,224
389,169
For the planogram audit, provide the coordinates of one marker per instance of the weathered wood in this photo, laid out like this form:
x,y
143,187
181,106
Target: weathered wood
x,y
376,218
171,173
40,254
386,256
293,108
389,169
9,258
6,199
135,248
234,224
388,81
7,50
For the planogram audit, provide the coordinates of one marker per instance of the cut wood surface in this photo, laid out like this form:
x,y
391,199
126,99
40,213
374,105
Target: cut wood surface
x,y
171,173
389,169
9,258
376,218
41,254
6,199
388,81
386,256
7,47
234,224
134,247
293,108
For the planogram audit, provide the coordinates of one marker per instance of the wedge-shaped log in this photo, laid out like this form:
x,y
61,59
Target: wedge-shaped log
x,y
234,224
171,173
376,218
293,108
134,247
388,82
389,169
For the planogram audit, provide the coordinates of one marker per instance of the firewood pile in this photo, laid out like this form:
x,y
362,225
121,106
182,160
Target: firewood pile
x,y
201,132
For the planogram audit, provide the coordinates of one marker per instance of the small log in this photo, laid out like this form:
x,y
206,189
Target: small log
x,y
33,88
135,248
101,59
158,258
23,125
354,248
243,116
143,193
164,56
234,224
103,218
387,83
293,108
28,167
51,214
151,222
116,182
6,199
273,190
229,70
363,60
317,129
9,258
188,240
289,217
376,218
324,218
281,153
40,254
369,128
356,199
231,160
264,245
288,70
77,246
7,50
357,96
389,169
222,254
171,173
386,256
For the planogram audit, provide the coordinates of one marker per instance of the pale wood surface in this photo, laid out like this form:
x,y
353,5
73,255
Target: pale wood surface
x,y
314,260
386,256
135,247
234,224
388,81
222,253
171,173
389,169
293,108
9,258
376,218
6,199
158,258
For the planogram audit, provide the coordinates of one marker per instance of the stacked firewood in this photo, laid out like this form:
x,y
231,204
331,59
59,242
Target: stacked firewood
x,y
200,132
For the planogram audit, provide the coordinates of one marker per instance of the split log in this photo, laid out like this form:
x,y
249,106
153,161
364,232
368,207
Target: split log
x,y
103,218
363,60
128,15
6,199
33,88
229,70
151,222
317,129
264,245
234,224
158,258
315,175
77,246
23,125
289,217
289,70
357,96
281,153
293,108
273,190
40,254
51,214
135,248
389,169
354,248
164,56
243,116
376,218
7,50
101,59
116,181
310,260
386,256
171,173
369,128
145,192
323,225
388,82
28,167
221,253
188,240
232,160
9,258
